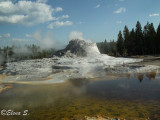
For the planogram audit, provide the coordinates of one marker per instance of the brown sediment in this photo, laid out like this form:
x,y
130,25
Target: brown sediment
x,y
47,78
1,67
97,118
3,76
4,87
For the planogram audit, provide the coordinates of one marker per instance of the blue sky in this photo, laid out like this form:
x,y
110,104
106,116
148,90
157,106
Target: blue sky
x,y
50,22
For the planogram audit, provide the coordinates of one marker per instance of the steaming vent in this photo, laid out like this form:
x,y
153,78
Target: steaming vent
x,y
80,48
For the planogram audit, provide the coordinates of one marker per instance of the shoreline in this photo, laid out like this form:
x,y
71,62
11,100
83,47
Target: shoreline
x,y
50,79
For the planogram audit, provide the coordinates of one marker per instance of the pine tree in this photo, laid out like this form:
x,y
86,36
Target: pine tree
x,y
132,41
158,39
106,47
126,38
120,44
152,38
146,38
139,39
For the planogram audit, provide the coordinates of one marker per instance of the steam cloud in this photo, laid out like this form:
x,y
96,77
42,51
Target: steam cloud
x,y
77,35
22,50
46,41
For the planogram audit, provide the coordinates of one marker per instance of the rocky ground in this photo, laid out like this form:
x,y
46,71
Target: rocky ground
x,y
79,59
149,60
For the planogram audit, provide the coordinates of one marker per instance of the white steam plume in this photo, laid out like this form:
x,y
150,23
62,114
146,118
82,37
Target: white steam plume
x,y
77,35
22,51
47,41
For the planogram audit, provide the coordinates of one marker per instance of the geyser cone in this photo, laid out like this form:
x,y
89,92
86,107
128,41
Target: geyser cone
x,y
80,48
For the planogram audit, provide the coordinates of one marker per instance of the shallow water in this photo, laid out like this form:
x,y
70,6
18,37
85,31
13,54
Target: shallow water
x,y
135,96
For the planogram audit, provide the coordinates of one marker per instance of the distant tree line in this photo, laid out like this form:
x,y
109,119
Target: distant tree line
x,y
138,41
16,53
109,48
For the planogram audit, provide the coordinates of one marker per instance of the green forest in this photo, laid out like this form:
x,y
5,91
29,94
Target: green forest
x,y
138,41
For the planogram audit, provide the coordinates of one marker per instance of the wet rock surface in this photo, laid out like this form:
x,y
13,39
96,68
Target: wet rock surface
x,y
130,68
4,87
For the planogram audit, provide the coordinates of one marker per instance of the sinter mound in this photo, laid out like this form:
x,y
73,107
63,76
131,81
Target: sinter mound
x,y
79,48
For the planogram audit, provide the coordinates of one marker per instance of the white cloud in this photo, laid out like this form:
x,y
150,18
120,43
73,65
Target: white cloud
x,y
26,12
7,35
80,22
62,17
119,22
19,40
8,0
97,6
58,9
59,24
42,1
120,10
154,15
28,35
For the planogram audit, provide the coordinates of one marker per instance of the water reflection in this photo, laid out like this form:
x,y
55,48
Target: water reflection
x,y
150,76
140,78
128,88
79,82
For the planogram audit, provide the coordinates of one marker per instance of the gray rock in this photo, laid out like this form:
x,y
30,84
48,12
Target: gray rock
x,y
79,48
